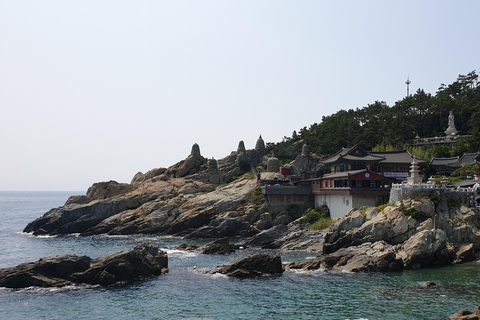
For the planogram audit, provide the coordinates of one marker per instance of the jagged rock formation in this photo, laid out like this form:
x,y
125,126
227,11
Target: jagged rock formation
x,y
404,235
193,162
305,162
141,261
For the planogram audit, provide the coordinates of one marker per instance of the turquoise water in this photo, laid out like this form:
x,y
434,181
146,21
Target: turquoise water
x,y
186,292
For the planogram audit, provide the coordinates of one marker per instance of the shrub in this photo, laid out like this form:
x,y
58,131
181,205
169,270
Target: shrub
x,y
316,214
363,211
383,206
415,214
313,216
255,196
318,218
321,224
459,221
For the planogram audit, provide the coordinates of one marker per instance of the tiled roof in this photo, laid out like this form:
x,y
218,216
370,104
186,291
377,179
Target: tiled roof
x,y
443,161
346,154
343,174
467,159
401,156
368,157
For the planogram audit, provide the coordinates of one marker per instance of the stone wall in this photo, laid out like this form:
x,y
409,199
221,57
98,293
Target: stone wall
x,y
418,192
278,202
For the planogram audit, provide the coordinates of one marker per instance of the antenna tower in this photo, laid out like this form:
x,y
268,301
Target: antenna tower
x,y
408,85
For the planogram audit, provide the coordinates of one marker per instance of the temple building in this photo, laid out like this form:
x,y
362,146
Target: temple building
x,y
391,164
342,191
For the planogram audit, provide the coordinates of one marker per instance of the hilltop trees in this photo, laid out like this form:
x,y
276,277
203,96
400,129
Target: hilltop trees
x,y
380,127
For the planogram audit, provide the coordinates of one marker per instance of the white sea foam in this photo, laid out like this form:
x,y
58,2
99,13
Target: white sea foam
x,y
180,253
30,234
217,275
315,272
52,289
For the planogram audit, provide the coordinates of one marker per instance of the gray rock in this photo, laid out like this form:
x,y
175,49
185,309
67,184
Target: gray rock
x,y
264,222
143,260
378,256
267,238
220,246
103,190
252,266
424,249
466,315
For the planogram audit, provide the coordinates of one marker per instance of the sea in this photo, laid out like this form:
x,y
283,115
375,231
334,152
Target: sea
x,y
188,292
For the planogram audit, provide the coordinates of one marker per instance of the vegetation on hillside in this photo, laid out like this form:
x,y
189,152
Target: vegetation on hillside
x,y
380,127
319,218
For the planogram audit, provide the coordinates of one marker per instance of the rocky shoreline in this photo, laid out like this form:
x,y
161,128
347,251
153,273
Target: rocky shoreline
x,y
189,200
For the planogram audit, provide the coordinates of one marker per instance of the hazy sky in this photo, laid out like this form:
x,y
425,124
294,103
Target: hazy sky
x,y
99,90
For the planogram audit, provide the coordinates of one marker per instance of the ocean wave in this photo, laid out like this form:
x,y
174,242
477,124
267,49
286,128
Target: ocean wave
x,y
218,275
320,271
31,235
180,253
33,289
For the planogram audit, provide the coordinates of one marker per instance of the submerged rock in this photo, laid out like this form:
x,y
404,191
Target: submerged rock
x,y
141,261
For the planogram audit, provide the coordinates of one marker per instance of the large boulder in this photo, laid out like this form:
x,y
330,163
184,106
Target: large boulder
x,y
141,261
103,190
424,249
252,266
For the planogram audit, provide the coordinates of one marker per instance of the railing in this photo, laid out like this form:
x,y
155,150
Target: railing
x,y
438,140
398,186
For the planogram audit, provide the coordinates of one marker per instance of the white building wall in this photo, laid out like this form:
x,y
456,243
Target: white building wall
x,y
339,205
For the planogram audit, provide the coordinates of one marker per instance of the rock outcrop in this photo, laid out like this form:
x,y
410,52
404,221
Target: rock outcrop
x,y
141,261
466,315
180,200
405,235
219,246
252,266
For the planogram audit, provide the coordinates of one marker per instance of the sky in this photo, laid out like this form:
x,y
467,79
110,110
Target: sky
x,y
99,90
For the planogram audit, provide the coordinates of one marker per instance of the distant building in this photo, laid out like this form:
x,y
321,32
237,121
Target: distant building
x,y
393,165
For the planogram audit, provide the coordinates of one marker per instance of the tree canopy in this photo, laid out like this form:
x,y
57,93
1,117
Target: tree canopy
x,y
381,127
